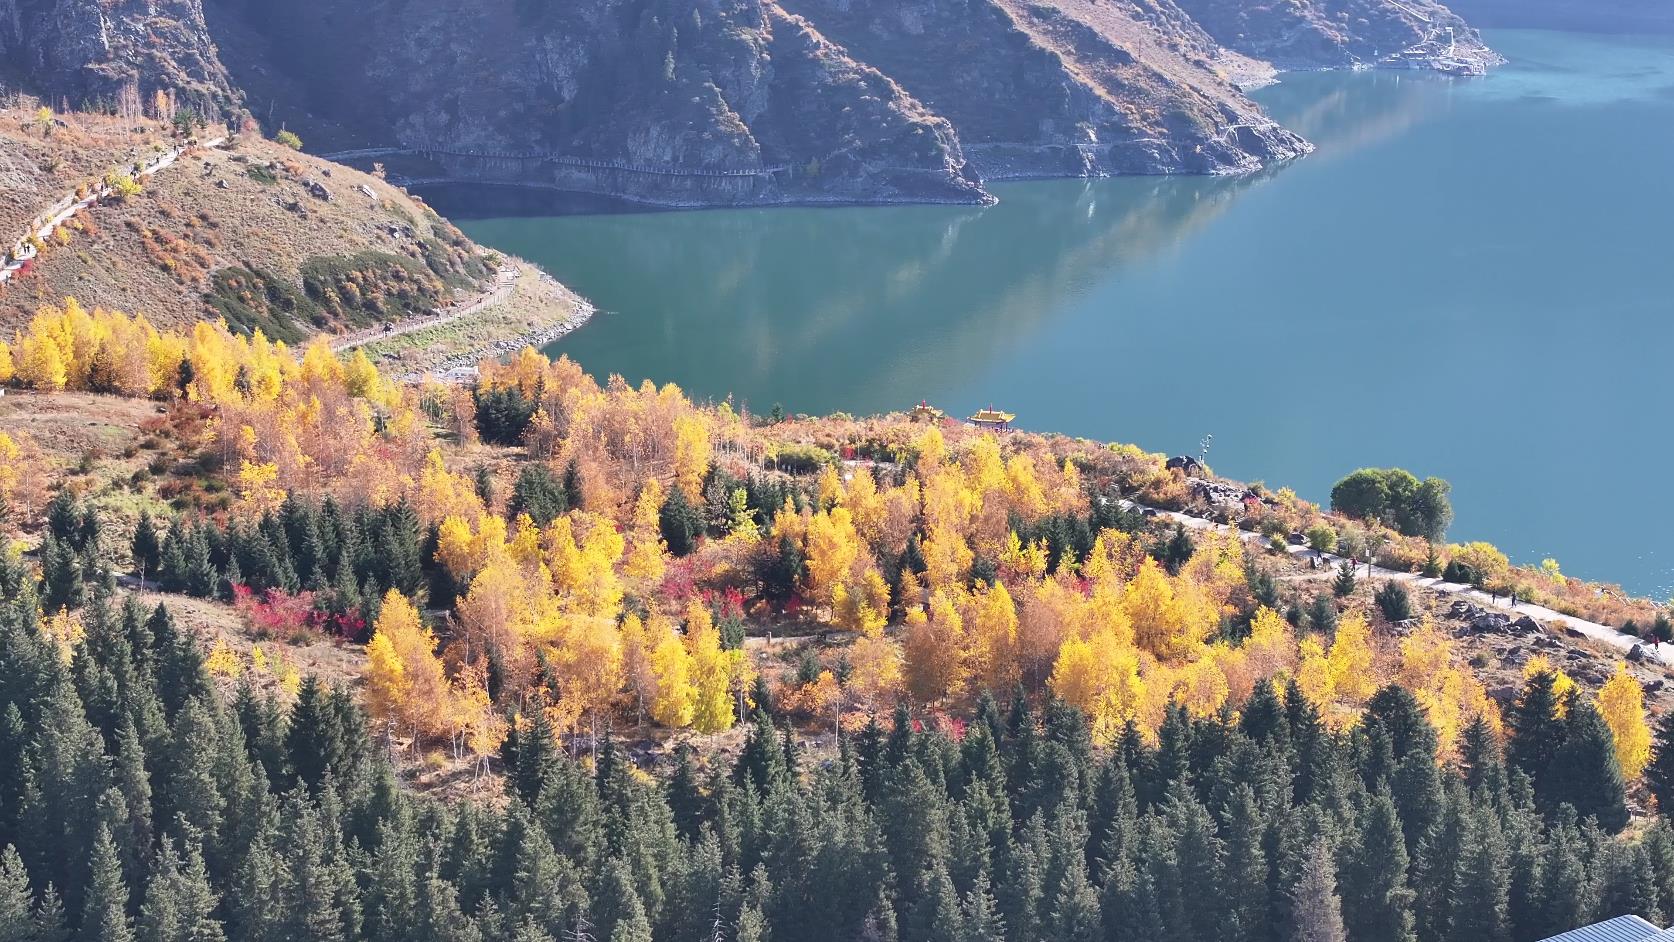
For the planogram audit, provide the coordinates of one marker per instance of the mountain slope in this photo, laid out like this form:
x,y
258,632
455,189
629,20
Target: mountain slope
x,y
1314,34
693,102
255,233
1062,89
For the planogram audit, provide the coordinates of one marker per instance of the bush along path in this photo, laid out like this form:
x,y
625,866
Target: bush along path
x,y
1468,594
23,251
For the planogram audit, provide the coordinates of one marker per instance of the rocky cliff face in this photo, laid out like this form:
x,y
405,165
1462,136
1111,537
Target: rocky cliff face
x,y
1315,34
1075,87
683,101
736,101
86,51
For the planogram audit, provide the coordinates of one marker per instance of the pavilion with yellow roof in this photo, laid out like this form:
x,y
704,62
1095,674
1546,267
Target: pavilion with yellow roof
x,y
993,418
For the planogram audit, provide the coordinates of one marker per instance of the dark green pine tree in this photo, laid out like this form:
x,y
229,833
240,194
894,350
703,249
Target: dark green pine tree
x,y
1585,773
540,494
392,893
1113,817
104,911
679,524
1566,895
61,577
1322,614
1315,909
618,911
437,916
1626,882
48,923
201,577
146,548
1659,775
1343,585
1481,894
314,741
762,761
1377,903
685,801
317,893
179,903
14,771
15,898
134,783
1199,864
63,517
936,917
980,914
1245,896
1536,733
1073,906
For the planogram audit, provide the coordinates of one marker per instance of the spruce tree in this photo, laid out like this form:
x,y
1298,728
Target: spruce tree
x,y
1481,895
1659,775
1322,614
1343,585
104,911
179,904
1315,909
1536,733
1585,772
146,548
15,898
61,576
1377,903
1245,896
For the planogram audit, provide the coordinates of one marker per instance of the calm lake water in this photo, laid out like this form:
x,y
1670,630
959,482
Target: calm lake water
x,y
1470,278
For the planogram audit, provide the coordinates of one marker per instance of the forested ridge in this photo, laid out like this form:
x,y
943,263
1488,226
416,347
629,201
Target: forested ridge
x,y
137,802
1003,703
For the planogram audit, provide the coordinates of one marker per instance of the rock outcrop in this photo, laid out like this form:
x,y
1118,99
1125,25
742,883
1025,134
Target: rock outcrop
x,y
87,52
1316,34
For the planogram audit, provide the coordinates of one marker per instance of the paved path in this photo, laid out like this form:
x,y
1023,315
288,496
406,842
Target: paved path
x,y
1546,616
496,293
65,209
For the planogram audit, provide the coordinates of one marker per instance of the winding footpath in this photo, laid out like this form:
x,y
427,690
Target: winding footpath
x,y
66,209
1546,616
495,293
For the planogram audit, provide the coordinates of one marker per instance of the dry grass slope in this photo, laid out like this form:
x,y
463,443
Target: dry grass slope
x,y
256,233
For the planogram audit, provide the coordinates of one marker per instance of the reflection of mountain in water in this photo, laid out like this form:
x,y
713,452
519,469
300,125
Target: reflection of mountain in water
x,y
869,308
858,309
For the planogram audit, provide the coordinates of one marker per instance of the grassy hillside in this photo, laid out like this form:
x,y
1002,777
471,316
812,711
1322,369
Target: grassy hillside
x,y
253,232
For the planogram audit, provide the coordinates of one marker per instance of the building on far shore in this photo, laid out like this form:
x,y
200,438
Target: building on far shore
x,y
1619,929
925,412
993,418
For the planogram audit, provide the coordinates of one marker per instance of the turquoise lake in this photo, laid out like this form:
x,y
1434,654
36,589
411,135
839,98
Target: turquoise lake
x,y
1471,278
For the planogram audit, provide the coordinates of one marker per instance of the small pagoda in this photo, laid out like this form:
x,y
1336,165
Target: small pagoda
x,y
925,412
993,418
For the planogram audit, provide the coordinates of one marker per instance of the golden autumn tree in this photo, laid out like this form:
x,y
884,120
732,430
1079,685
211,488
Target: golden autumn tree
x,y
1100,675
712,672
1164,623
934,644
1621,701
1351,661
675,697
990,655
405,683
